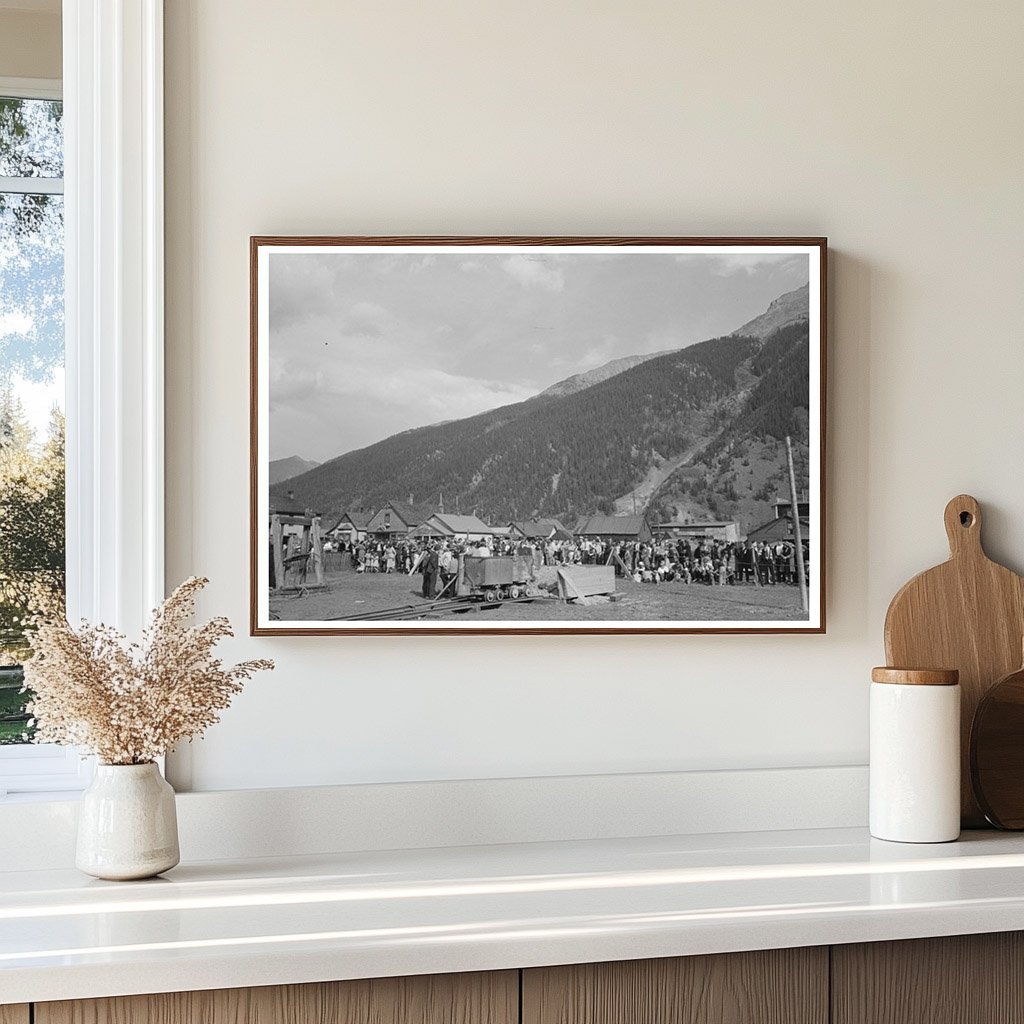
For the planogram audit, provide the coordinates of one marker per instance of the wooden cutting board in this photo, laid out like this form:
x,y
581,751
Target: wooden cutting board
x,y
967,614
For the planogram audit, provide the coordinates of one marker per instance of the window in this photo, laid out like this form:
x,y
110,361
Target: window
x,y
32,565
112,213
31,382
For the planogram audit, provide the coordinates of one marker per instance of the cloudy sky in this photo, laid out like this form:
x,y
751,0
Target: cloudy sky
x,y
365,345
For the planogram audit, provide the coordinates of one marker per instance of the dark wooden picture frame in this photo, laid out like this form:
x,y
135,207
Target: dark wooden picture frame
x,y
473,614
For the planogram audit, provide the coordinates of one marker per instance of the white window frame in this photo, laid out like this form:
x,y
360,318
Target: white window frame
x,y
114,335
38,768
31,89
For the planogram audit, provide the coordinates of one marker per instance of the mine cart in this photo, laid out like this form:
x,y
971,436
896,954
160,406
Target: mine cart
x,y
495,577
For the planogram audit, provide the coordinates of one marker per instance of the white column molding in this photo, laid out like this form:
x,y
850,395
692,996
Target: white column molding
x,y
113,110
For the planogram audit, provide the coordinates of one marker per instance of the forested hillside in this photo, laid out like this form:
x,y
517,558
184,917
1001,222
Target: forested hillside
x,y
719,410
743,469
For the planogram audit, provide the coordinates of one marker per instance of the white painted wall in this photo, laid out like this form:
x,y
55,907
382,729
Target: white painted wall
x,y
894,129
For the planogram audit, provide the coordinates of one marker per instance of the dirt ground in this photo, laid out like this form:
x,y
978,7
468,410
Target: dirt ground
x,y
350,593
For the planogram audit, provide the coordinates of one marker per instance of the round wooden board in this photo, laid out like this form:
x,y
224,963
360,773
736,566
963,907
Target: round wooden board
x,y
997,752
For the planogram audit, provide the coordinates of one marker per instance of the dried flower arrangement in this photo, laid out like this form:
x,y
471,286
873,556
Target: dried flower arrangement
x,y
128,704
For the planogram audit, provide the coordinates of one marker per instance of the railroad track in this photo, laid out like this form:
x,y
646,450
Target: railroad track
x,y
418,611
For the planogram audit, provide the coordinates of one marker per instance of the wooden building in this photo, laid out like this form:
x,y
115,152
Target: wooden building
x,y
727,530
538,530
616,528
783,509
455,527
350,526
780,528
395,520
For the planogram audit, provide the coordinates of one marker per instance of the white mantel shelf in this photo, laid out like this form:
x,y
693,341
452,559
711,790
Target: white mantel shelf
x,y
227,924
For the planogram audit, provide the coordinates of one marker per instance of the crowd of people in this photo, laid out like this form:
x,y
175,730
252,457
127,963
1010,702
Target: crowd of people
x,y
436,560
721,563
665,560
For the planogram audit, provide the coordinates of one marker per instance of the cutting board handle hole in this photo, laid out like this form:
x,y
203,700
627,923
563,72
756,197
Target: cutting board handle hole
x,y
962,518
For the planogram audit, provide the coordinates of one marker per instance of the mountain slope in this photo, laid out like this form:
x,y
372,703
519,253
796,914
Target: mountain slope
x,y
743,469
786,309
791,307
569,454
582,381
285,469
683,421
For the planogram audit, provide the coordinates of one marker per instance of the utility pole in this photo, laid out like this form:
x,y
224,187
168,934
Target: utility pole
x,y
794,509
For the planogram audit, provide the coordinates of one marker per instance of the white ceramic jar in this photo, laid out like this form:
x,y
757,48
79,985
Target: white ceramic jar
x,y
915,755
127,823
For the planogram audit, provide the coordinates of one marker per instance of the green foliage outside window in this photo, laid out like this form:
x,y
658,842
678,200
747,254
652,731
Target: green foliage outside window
x,y
31,359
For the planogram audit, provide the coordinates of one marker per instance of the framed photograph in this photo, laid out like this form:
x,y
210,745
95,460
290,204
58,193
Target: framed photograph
x,y
537,435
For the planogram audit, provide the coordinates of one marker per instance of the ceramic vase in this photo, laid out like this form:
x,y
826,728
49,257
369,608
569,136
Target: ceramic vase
x,y
127,825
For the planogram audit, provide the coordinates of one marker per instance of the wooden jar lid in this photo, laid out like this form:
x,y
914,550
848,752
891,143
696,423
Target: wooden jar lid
x,y
916,676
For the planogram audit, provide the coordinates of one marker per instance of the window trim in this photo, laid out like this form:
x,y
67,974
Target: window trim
x,y
32,186
32,88
114,308
114,333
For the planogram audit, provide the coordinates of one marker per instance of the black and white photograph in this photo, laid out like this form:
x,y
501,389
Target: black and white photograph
x,y
537,435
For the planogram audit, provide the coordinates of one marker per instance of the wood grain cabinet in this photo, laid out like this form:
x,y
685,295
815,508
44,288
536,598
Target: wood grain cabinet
x,y
780,986
964,979
973,979
491,998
